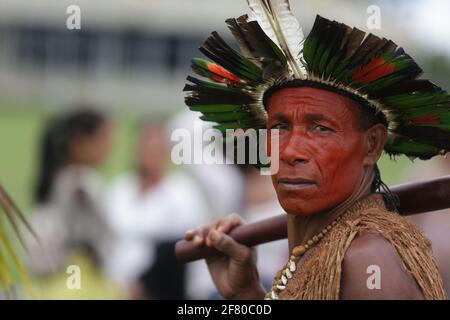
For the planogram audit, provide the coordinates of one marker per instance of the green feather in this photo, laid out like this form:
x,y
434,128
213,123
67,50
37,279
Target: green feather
x,y
226,116
215,108
234,125
412,149
409,101
210,85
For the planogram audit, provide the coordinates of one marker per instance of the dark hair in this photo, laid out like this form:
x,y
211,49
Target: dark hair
x,y
55,145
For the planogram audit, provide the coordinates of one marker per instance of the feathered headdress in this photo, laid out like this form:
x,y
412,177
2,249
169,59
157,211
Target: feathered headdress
x,y
274,53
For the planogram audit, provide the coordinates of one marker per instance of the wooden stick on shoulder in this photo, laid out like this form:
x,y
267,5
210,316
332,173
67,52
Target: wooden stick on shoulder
x,y
417,197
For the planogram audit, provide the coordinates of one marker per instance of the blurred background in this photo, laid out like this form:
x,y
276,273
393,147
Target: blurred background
x,y
85,123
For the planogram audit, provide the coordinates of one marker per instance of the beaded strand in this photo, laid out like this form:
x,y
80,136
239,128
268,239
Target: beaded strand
x,y
291,266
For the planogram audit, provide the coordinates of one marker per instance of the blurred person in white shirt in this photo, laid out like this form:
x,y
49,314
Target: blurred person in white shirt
x,y
222,186
148,211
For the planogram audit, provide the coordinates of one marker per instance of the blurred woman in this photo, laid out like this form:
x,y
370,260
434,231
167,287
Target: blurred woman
x,y
148,209
68,192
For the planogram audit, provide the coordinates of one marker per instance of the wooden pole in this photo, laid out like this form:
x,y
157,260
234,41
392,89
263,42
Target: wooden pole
x,y
417,197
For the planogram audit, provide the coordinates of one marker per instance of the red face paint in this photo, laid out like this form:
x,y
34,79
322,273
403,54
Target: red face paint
x,y
321,148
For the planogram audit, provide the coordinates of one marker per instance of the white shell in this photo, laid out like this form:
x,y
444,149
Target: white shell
x,y
288,273
284,279
274,295
292,267
281,287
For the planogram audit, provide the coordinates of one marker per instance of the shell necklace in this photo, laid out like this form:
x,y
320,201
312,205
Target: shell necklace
x,y
291,266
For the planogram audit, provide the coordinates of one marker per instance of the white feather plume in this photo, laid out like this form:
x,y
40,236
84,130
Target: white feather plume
x,y
276,19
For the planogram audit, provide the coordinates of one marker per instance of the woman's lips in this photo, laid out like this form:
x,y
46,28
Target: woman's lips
x,y
295,184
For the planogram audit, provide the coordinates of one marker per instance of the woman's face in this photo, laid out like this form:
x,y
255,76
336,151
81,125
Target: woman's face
x,y
92,149
152,151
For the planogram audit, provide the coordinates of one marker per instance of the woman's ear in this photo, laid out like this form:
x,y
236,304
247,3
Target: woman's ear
x,y
376,138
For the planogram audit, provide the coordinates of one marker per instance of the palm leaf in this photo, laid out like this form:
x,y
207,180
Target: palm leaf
x,y
10,264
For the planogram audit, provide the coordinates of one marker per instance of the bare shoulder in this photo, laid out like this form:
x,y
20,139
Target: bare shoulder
x,y
372,269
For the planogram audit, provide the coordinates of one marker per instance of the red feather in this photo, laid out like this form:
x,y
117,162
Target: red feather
x,y
431,120
214,68
372,71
